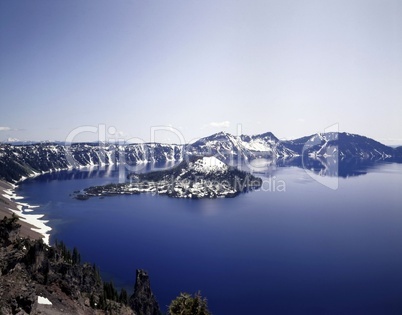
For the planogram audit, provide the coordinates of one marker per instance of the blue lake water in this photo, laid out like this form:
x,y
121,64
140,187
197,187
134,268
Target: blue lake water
x,y
307,250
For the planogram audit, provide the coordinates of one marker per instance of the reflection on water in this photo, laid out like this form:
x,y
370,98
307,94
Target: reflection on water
x,y
344,167
105,171
322,166
329,166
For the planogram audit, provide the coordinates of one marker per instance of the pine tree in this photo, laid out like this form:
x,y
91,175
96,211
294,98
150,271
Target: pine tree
x,y
123,298
76,257
185,304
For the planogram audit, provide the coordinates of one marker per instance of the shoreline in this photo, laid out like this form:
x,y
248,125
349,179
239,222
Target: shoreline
x,y
32,225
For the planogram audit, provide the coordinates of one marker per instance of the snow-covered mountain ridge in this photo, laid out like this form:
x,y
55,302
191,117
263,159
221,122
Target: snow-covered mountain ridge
x,y
19,161
231,148
346,145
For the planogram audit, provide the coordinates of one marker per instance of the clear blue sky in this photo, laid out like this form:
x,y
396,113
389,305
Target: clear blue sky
x,y
289,67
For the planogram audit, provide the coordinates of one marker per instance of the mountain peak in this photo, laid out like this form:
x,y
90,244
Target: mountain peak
x,y
268,134
220,134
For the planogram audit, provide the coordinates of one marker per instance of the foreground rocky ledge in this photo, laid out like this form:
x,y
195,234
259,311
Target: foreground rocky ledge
x,y
39,279
200,177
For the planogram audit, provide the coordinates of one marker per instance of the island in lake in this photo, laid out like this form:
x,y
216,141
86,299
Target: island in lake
x,y
196,177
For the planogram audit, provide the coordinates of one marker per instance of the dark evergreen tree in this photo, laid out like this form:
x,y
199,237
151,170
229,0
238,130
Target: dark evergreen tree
x,y
123,298
76,257
92,301
110,291
185,304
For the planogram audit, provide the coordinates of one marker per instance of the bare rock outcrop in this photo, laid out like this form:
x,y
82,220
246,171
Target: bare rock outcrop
x,y
143,301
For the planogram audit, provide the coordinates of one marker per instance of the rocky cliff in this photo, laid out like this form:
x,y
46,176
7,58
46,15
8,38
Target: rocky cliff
x,y
143,300
39,279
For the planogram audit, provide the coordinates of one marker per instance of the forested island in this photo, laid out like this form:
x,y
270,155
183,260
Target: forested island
x,y
199,177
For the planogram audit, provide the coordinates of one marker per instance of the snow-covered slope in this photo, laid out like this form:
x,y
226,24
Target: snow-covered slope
x,y
208,165
17,162
232,148
342,144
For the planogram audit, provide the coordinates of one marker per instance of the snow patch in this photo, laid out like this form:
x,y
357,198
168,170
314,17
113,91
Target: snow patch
x,y
44,301
33,219
209,164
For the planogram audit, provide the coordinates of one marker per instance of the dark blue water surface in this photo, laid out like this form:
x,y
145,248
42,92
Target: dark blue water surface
x,y
307,250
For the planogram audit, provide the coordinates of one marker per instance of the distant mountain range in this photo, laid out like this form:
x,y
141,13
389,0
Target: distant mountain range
x,y
19,161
